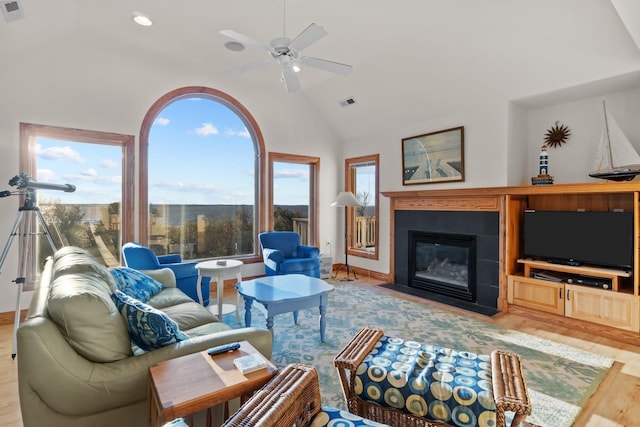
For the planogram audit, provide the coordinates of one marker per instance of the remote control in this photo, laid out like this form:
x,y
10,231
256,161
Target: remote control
x,y
223,348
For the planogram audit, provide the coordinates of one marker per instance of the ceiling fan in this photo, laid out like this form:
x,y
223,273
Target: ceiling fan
x,y
286,52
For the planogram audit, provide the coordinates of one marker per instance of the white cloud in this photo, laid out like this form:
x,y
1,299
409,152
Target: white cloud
x,y
59,153
46,175
207,129
291,174
161,121
86,176
232,132
108,164
89,172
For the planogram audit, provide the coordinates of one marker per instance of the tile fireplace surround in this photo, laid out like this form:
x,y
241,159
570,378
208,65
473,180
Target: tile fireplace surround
x,y
484,226
461,212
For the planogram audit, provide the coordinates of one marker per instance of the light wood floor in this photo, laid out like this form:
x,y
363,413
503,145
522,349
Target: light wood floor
x,y
615,403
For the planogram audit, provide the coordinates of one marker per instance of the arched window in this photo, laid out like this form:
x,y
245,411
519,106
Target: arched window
x,y
201,169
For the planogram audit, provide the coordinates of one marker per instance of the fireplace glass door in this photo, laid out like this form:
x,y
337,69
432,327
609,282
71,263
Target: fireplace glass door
x,y
443,263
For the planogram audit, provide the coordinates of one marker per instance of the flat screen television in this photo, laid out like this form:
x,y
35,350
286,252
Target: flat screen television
x,y
574,238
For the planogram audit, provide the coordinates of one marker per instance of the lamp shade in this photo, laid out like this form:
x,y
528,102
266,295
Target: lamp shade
x,y
346,198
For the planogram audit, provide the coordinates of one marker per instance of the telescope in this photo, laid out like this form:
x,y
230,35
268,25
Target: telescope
x,y
23,181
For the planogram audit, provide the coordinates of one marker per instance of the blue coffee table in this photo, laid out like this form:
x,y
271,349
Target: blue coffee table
x,y
285,294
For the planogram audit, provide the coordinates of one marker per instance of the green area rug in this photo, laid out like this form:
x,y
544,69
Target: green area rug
x,y
560,378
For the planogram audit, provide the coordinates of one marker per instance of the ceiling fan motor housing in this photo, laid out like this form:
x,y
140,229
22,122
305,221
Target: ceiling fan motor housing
x,y
280,47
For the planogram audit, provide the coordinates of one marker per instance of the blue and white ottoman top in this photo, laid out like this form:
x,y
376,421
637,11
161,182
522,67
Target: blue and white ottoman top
x,y
333,417
428,381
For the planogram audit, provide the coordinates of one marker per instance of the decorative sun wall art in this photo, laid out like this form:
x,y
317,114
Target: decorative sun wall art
x,y
557,135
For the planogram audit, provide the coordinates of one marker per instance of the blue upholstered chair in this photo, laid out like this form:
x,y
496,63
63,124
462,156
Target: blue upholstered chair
x,y
283,254
142,258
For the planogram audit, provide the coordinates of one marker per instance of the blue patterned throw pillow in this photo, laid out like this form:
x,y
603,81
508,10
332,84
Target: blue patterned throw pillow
x,y
135,283
149,328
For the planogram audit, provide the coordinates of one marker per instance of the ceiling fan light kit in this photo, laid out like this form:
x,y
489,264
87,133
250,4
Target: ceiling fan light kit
x,y
285,52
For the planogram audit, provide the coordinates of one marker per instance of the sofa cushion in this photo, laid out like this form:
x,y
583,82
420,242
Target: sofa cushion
x,y
135,283
190,315
81,306
207,329
162,275
168,297
74,260
149,328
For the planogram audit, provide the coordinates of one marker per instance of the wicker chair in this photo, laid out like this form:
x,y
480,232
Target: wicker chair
x,y
291,398
509,388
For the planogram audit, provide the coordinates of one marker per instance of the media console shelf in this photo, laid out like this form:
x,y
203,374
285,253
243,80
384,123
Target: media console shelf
x,y
612,311
531,265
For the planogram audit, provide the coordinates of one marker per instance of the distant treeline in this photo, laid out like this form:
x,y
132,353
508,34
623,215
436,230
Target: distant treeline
x,y
179,214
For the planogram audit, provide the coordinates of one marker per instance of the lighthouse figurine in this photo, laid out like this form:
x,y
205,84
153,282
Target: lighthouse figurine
x,y
543,175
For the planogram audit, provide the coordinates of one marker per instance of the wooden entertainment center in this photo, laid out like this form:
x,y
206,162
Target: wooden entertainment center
x,y
613,313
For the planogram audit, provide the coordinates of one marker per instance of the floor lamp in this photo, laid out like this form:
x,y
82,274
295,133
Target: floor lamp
x,y
346,199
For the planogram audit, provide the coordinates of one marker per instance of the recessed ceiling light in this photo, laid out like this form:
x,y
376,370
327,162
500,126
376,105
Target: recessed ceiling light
x,y
234,46
141,19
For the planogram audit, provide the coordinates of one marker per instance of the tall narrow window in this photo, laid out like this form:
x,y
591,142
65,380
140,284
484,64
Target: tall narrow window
x,y
201,168
98,214
361,175
293,193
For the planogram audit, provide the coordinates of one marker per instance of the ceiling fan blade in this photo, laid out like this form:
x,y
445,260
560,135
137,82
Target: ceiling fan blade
x,y
310,35
248,67
244,39
290,79
323,64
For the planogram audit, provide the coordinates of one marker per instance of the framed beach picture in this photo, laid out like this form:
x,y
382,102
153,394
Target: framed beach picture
x,y
433,157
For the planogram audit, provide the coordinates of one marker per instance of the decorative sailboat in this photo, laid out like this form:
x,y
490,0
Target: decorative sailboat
x,y
616,160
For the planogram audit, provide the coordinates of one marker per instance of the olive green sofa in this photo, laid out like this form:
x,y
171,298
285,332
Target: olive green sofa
x,y
76,362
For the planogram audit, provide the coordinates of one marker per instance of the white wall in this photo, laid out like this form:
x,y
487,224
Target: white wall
x,y
485,159
573,161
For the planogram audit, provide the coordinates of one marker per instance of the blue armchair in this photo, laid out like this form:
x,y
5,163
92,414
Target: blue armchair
x,y
142,258
283,254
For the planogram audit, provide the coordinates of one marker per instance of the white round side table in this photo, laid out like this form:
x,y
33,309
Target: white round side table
x,y
216,269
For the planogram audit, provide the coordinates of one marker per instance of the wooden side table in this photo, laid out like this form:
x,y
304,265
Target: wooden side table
x,y
185,385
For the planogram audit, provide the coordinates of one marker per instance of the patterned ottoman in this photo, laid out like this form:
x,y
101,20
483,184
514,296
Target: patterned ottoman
x,y
408,383
330,416
428,381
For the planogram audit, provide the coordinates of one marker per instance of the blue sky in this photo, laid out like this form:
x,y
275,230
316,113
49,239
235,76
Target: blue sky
x,y
200,153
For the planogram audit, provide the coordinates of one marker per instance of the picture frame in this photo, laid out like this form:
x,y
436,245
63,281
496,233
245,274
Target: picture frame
x,y
433,157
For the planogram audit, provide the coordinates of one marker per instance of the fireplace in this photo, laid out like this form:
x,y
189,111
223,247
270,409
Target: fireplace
x,y
443,263
481,292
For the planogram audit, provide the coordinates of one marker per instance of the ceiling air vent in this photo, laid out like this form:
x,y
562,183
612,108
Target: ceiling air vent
x,y
12,10
347,102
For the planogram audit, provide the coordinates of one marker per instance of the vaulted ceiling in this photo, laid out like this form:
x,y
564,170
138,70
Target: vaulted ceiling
x,y
411,58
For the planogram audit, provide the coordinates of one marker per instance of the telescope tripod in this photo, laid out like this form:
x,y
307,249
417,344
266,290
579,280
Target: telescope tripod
x,y
28,217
